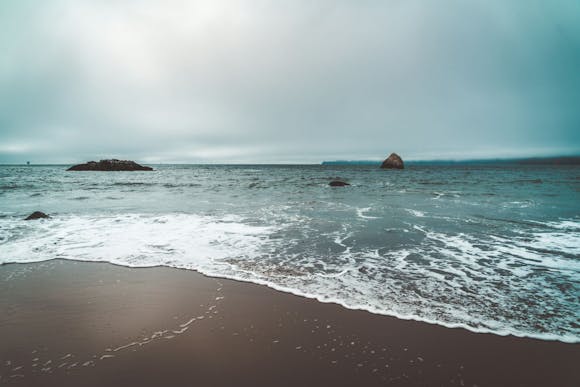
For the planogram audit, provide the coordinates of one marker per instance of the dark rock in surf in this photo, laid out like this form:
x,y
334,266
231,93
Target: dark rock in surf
x,y
338,183
110,165
394,161
37,215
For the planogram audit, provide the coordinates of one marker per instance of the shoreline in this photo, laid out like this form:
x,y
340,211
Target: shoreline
x,y
293,292
123,326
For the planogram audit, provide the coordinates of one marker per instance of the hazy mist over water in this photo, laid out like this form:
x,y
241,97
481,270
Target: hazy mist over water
x,y
488,248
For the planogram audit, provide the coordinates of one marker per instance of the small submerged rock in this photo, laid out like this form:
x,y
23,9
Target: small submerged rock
x,y
338,183
394,161
37,215
110,165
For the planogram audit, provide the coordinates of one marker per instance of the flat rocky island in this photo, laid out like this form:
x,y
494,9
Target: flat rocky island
x,y
110,165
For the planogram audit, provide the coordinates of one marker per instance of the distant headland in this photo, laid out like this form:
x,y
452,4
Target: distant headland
x,y
563,160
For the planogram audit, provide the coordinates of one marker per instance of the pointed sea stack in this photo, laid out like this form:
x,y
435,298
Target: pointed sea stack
x,y
110,165
394,161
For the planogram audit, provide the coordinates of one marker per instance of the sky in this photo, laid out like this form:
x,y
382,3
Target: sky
x,y
301,81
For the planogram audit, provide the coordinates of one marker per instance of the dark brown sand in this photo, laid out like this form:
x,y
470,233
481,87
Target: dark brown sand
x,y
88,324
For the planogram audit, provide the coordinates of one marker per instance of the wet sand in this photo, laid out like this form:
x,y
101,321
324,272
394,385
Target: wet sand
x,y
66,323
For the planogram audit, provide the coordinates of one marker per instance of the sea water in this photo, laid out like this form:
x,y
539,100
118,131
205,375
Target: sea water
x,y
493,248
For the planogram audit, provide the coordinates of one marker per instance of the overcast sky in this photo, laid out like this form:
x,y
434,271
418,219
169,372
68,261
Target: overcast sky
x,y
287,81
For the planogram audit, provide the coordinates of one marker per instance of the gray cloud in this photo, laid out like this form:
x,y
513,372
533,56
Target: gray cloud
x,y
301,81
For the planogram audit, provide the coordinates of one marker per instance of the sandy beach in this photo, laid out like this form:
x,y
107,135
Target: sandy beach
x,y
69,323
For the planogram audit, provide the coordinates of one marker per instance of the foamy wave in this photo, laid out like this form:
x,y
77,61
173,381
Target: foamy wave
x,y
563,238
573,225
180,240
361,213
492,284
418,214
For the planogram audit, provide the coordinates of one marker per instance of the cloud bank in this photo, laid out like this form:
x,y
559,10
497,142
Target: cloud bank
x,y
301,81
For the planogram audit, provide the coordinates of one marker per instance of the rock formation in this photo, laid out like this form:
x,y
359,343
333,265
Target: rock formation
x,y
338,183
37,215
394,161
110,165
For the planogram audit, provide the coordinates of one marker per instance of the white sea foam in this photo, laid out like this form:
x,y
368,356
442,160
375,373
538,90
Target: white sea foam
x,y
180,240
416,213
564,238
362,211
570,224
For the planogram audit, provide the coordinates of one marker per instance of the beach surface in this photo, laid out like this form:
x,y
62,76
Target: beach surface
x,y
69,323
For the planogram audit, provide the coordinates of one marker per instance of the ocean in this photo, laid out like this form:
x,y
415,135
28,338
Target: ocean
x,y
490,248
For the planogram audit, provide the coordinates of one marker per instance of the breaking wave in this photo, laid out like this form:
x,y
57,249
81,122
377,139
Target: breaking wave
x,y
522,285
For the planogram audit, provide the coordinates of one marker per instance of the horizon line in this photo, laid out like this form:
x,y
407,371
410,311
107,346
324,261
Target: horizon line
x,y
412,160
